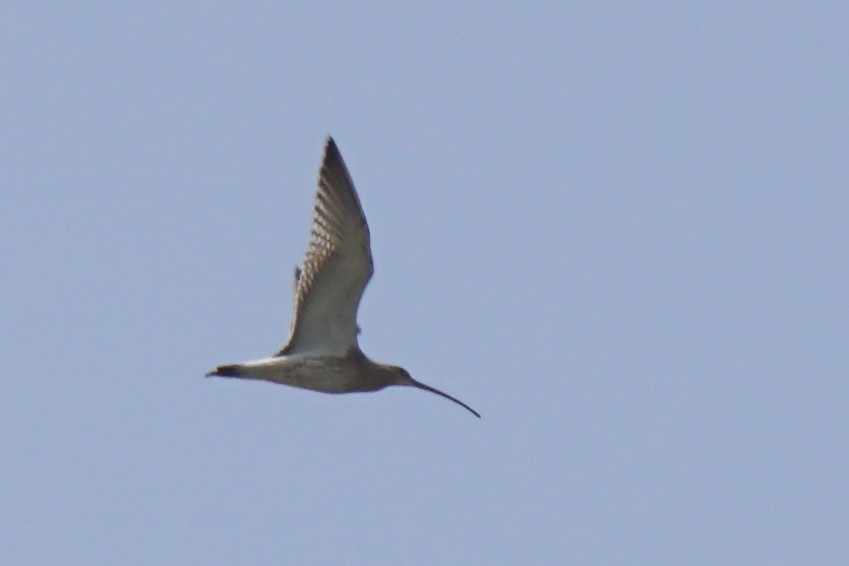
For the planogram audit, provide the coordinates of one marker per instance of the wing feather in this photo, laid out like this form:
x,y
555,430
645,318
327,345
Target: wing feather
x,y
337,267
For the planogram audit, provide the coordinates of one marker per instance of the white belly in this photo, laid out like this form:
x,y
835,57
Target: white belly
x,y
317,373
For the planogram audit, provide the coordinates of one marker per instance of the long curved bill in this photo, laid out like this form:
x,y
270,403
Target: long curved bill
x,y
421,385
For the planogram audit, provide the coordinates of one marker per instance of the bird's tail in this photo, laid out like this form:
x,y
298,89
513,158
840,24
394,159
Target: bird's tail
x,y
225,371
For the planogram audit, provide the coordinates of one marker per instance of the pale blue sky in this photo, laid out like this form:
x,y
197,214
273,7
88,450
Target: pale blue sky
x,y
619,232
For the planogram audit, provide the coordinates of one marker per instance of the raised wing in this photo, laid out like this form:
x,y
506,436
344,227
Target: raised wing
x,y
337,267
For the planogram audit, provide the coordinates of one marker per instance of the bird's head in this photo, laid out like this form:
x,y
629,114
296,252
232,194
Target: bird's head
x,y
402,377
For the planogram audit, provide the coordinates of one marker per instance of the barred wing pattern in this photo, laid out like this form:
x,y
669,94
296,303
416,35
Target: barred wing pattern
x,y
336,269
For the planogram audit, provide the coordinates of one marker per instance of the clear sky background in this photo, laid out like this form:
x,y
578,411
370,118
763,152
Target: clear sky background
x,y
617,231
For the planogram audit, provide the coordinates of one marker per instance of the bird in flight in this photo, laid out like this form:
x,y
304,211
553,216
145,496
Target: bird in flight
x,y
322,352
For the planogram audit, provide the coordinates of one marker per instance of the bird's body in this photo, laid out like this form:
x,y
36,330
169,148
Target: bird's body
x,y
322,353
328,374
